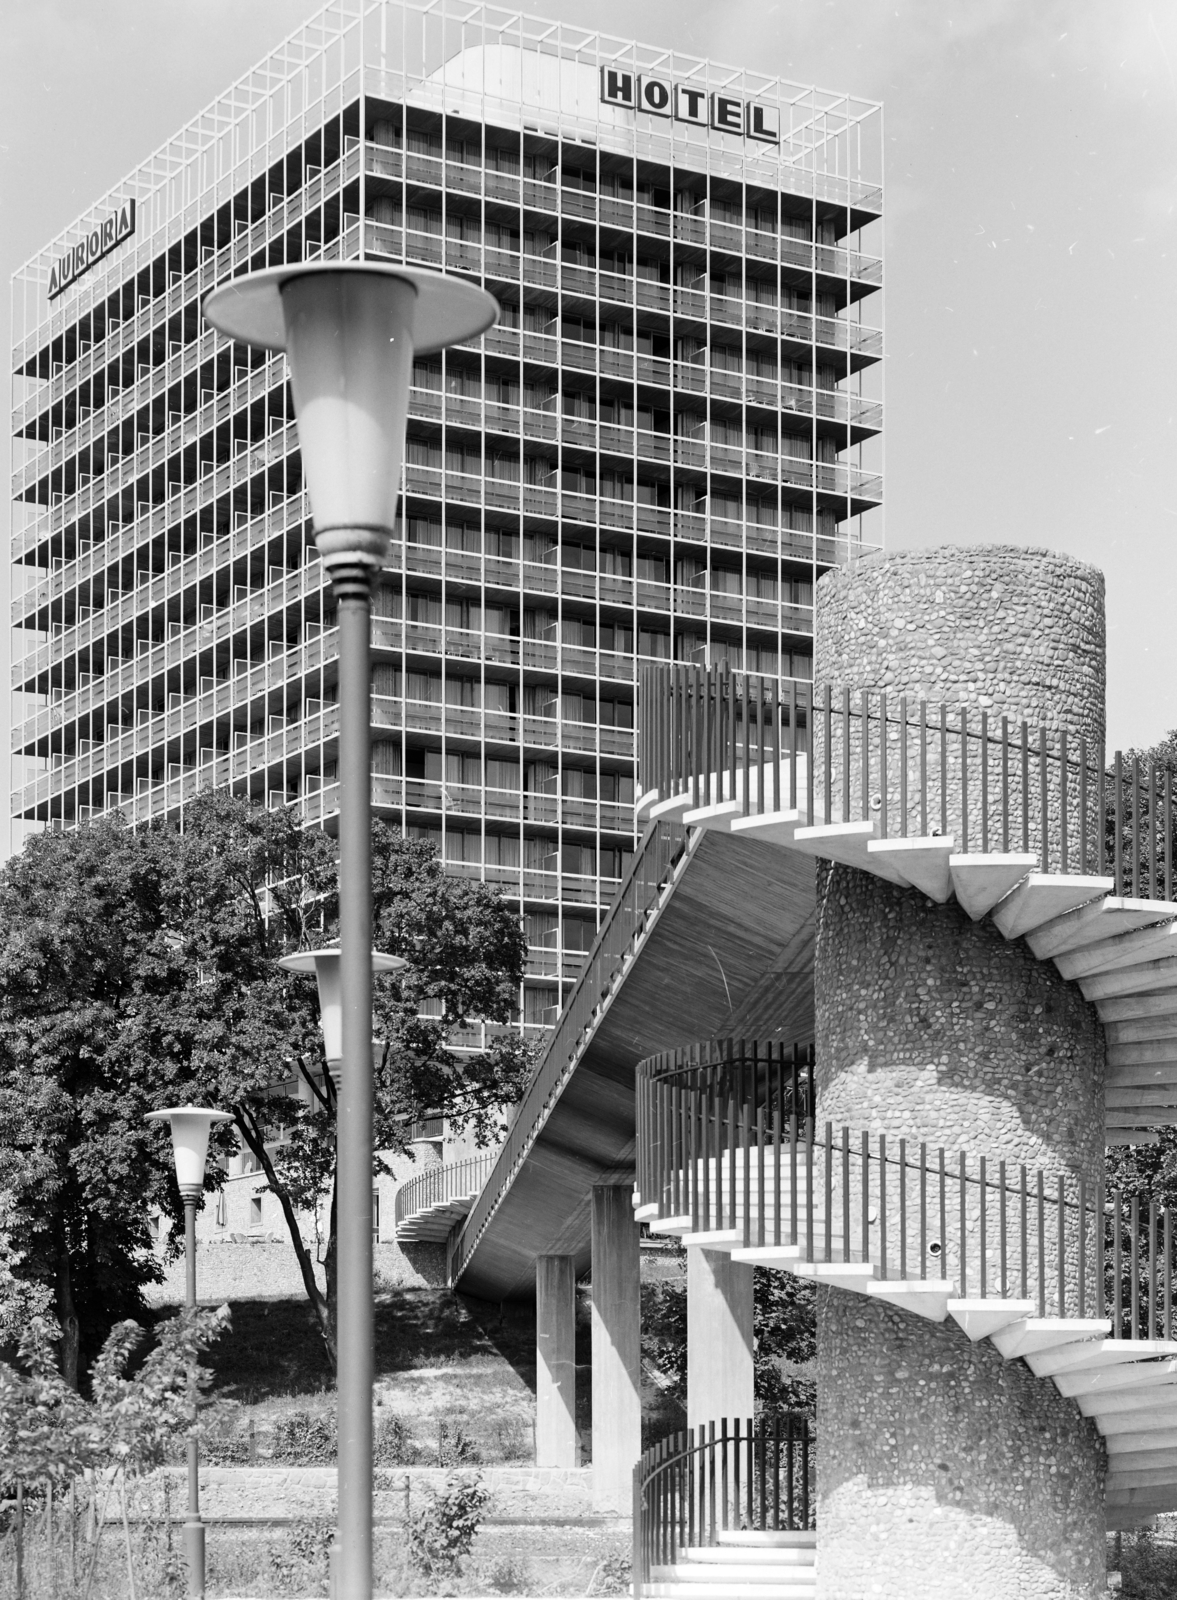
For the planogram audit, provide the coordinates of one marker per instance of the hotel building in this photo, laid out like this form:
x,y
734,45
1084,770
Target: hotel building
x,y
672,432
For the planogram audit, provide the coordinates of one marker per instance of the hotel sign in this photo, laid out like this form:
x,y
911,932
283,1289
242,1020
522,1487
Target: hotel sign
x,y
98,243
686,102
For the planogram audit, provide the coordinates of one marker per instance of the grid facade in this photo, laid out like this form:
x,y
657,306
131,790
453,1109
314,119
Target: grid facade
x,y
673,430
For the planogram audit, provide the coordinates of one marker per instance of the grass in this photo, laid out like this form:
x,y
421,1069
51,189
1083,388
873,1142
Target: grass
x,y
1148,1564
292,1561
455,1381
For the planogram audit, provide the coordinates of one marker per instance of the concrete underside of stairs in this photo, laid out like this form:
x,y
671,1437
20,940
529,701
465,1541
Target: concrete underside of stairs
x,y
945,1471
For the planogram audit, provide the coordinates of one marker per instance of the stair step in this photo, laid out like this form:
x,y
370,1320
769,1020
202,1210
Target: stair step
x,y
799,1588
1033,1334
781,1555
698,1573
982,880
1042,897
775,1538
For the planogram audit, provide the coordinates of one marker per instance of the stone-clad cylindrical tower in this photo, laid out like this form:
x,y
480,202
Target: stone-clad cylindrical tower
x,y
943,1470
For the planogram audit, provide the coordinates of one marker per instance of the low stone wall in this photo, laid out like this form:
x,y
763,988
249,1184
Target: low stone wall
x,y
265,1268
525,1495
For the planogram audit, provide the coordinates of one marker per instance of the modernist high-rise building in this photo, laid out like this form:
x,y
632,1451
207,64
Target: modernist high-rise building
x,y
672,432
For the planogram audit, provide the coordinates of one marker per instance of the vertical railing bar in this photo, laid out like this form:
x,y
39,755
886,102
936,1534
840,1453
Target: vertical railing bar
x,y
1025,787
984,1264
1005,782
923,769
964,779
903,830
924,1210
845,816
944,771
985,781
1063,798
963,1230
1043,796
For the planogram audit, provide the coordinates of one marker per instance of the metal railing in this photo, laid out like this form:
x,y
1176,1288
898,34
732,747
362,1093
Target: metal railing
x,y
436,1185
657,864
696,1485
727,1143
912,769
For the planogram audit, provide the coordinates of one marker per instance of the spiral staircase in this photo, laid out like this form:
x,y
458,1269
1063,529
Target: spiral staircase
x,y
922,800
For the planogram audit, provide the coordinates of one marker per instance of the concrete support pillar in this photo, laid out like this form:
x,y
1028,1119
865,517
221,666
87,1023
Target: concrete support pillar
x,y
942,1469
555,1363
719,1337
617,1332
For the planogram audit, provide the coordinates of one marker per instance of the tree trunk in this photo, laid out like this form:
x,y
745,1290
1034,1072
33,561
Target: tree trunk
x,y
67,1318
331,1264
319,1302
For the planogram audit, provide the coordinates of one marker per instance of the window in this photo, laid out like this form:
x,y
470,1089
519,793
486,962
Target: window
x,y
375,1216
255,1211
222,1210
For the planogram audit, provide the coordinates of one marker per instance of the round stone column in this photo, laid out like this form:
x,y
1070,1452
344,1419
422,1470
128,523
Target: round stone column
x,y
942,1469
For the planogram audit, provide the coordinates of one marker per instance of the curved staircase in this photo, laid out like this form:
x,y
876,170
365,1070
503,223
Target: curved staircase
x,y
429,1204
759,1566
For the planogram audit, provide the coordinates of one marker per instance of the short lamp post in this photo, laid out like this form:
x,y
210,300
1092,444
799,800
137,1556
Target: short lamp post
x,y
350,331
190,1126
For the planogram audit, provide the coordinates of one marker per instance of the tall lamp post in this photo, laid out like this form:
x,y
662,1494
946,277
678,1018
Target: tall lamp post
x,y
190,1127
350,331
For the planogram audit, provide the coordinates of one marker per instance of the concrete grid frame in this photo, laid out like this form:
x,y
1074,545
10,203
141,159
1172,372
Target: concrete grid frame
x,y
673,431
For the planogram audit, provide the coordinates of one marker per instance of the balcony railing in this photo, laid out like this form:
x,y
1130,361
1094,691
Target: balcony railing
x,y
905,769
752,1476
728,1147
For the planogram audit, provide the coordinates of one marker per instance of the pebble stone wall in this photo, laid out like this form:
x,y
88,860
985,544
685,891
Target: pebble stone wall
x,y
933,1476
954,1036
993,627
963,1475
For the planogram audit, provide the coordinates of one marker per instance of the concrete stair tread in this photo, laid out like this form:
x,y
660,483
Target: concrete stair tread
x,y
1097,920
1123,1378
1096,1354
805,1538
1146,978
1127,1402
770,827
923,861
846,842
797,1588
982,1318
783,1555
980,881
1043,896
1120,950
1033,1334
698,1572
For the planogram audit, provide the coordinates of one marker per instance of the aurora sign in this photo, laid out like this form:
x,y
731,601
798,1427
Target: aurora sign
x,y
100,241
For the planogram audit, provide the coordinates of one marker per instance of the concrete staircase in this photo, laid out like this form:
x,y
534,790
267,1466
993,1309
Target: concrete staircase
x,y
1121,952
744,1565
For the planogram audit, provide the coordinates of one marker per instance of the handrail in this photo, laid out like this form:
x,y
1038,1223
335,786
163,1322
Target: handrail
x,y
655,866
912,769
693,1486
449,1180
728,1143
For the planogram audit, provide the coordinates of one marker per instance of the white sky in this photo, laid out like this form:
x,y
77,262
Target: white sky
x,y
1031,241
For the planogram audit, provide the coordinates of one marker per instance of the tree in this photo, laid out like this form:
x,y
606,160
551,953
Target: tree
x,y
79,944
245,885
140,969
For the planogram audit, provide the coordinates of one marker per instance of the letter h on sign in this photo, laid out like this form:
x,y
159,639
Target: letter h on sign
x,y
617,87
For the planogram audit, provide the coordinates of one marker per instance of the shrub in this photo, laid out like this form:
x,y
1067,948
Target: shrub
x,y
613,1575
455,1448
304,1439
442,1532
392,1446
509,1575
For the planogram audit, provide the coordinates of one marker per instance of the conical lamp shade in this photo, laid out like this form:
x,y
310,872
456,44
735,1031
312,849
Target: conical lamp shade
x,y
350,330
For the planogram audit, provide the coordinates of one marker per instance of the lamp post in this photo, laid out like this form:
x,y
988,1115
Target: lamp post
x,y
350,331
190,1126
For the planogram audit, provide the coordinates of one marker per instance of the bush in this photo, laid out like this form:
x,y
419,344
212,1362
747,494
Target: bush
x,y
392,1446
442,1532
455,1448
614,1575
304,1439
510,1575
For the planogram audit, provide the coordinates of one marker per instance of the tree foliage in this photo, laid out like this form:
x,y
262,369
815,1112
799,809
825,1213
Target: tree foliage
x,y
48,1430
139,969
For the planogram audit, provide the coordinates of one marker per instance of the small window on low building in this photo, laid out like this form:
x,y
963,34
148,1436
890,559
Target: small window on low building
x,y
255,1211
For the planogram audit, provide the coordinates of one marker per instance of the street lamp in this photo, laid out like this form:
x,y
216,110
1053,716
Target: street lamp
x,y
190,1126
325,964
350,331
